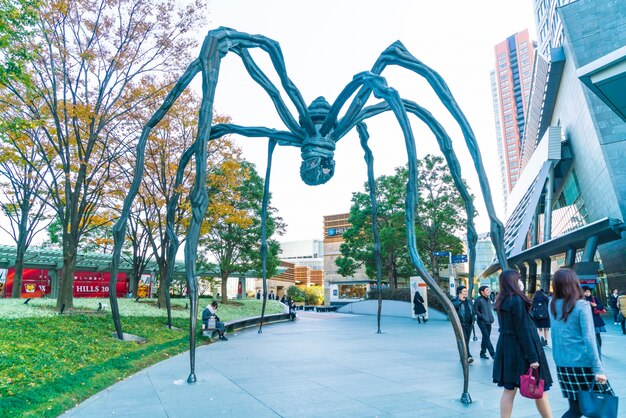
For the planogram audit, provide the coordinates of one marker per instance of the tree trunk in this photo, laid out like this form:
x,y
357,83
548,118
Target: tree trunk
x,y
16,293
65,300
135,279
224,287
163,287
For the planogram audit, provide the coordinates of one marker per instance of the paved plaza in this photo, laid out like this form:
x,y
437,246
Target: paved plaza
x,y
329,365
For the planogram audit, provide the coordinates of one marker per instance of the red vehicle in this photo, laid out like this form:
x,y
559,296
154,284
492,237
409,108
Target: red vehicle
x,y
36,283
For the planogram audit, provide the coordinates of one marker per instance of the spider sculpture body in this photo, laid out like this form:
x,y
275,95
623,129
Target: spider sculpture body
x,y
316,132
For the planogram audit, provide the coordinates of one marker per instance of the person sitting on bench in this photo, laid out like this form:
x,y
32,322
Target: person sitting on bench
x,y
207,313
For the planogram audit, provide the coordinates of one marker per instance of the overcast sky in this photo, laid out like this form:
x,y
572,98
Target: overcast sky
x,y
324,44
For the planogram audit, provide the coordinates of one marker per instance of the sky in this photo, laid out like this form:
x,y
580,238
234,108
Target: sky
x,y
324,44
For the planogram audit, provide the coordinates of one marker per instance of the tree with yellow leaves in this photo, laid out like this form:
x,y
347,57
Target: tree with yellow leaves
x,y
21,193
175,133
234,239
97,64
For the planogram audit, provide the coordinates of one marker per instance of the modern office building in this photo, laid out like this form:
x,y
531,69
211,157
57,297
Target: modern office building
x,y
499,135
308,253
513,76
339,289
569,204
548,23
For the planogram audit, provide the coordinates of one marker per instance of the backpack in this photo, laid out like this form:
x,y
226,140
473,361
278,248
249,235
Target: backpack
x,y
540,310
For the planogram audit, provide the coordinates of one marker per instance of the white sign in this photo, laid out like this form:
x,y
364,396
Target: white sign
x,y
417,284
452,286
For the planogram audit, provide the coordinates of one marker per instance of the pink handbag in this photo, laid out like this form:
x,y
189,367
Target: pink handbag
x,y
530,386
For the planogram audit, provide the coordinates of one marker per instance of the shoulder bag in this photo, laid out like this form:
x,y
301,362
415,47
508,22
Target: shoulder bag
x,y
530,386
598,405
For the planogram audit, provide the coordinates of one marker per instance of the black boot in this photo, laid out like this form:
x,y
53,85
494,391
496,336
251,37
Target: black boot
x,y
419,320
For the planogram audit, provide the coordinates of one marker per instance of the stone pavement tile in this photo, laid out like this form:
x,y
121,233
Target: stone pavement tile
x,y
297,398
221,407
404,403
108,411
259,386
339,411
361,384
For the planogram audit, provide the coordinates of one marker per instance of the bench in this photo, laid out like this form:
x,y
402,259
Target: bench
x,y
242,323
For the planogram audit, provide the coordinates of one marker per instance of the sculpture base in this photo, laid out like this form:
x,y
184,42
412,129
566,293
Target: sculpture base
x,y
192,378
466,398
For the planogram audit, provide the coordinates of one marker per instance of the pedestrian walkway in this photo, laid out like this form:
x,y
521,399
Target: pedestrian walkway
x,y
329,365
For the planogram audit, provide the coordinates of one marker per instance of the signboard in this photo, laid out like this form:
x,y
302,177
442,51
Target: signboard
x,y
35,283
333,232
96,284
417,284
441,253
459,258
3,279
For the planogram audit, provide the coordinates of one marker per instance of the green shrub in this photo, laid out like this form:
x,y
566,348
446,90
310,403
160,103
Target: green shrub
x,y
314,295
404,295
388,293
295,293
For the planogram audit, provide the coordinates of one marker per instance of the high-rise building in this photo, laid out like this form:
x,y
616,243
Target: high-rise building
x,y
513,73
499,135
569,204
549,25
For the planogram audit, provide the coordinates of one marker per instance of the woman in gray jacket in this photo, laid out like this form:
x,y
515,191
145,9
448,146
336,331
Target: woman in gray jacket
x,y
574,346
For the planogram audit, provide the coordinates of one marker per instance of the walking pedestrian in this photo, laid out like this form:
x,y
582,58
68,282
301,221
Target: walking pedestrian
x,y
465,309
596,309
577,358
621,304
418,307
613,303
541,316
518,346
484,318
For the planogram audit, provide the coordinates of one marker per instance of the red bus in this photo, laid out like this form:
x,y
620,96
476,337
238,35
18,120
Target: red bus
x,y
36,283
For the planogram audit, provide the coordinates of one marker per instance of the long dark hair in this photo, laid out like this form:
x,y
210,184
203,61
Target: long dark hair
x,y
509,286
567,287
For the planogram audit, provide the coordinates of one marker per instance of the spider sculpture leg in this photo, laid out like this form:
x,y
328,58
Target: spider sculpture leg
x,y
266,187
377,85
371,183
445,144
170,231
216,45
397,54
119,229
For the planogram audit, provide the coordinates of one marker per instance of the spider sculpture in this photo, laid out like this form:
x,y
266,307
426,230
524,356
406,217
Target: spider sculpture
x,y
316,132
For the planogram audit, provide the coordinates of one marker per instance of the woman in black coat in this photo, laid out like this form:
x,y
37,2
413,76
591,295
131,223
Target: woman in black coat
x,y
596,309
518,345
418,307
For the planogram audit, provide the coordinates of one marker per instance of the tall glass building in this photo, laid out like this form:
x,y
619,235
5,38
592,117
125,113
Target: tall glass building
x,y
513,76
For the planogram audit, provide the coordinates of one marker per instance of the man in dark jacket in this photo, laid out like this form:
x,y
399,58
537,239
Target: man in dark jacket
x,y
484,318
464,308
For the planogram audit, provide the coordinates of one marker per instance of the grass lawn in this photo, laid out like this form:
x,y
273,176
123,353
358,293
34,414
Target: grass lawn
x,y
51,362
